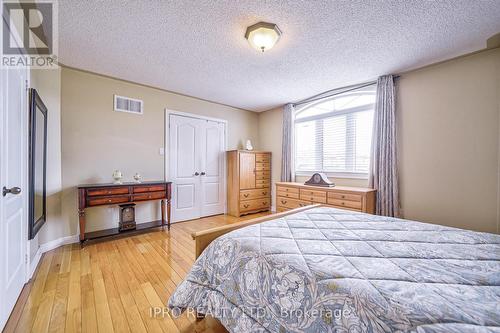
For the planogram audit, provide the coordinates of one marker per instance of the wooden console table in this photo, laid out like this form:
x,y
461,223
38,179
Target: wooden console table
x,y
93,195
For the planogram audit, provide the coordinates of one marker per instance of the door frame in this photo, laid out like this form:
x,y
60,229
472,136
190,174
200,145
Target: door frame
x,y
24,187
166,149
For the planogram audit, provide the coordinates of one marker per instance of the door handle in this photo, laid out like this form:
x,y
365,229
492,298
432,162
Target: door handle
x,y
196,173
203,173
13,190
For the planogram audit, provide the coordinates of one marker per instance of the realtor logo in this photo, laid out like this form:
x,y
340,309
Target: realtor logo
x,y
29,34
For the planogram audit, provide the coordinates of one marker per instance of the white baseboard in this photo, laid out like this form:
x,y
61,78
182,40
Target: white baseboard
x,y
59,242
50,246
34,263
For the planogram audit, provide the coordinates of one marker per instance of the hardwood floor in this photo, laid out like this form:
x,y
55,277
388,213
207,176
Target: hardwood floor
x,y
114,286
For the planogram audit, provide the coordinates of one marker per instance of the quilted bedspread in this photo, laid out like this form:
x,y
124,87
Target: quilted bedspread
x,y
331,270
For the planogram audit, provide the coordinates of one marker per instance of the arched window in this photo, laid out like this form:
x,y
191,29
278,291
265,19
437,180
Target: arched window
x,y
334,135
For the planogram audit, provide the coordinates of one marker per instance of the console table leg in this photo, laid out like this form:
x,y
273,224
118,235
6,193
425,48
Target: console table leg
x,y
168,213
81,218
162,212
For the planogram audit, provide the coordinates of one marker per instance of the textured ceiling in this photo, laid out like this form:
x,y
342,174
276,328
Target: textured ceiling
x,y
198,48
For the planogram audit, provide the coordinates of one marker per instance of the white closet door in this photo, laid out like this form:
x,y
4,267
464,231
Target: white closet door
x,y
185,142
212,175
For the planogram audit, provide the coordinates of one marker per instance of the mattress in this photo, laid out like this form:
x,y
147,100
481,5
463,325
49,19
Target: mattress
x,y
332,270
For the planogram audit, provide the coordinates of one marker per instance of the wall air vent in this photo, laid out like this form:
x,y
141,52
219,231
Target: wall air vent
x,y
127,104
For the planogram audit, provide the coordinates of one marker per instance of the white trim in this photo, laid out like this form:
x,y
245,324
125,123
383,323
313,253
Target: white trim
x,y
332,114
166,147
59,242
26,173
347,175
168,112
34,263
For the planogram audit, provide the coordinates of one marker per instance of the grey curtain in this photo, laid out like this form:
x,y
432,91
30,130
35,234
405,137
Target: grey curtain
x,y
287,144
383,167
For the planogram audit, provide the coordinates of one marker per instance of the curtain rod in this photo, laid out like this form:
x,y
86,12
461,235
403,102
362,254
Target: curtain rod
x,y
337,91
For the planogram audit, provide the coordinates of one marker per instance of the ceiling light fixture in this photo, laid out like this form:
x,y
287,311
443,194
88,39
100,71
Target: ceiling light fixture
x,y
263,36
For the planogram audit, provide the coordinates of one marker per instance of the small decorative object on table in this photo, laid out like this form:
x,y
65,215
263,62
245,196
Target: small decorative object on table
x,y
319,179
127,217
248,145
117,176
137,177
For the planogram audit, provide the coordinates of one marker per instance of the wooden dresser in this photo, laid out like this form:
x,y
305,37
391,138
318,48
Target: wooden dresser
x,y
249,182
92,195
293,195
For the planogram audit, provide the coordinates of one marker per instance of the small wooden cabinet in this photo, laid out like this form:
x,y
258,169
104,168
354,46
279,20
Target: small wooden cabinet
x,y
294,195
249,182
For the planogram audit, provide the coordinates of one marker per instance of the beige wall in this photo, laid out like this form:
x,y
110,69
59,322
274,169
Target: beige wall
x,y
48,85
449,142
270,137
448,131
97,140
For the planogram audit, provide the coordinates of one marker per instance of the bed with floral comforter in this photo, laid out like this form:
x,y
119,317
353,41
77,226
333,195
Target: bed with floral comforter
x,y
332,270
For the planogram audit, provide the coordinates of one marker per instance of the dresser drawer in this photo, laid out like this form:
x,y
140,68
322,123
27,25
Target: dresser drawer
x,y
314,199
343,196
107,200
256,204
312,195
287,189
283,194
107,191
260,158
259,176
262,183
254,194
345,203
291,203
262,166
150,188
149,196
263,173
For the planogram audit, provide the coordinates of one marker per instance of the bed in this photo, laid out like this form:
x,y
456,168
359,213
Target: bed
x,y
322,269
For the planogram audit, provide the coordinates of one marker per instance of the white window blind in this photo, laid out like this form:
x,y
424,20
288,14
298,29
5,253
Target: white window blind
x,y
334,134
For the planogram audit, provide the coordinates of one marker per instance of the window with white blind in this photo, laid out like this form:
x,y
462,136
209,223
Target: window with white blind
x,y
334,135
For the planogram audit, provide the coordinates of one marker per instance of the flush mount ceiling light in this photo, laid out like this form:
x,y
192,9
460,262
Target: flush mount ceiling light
x,y
263,36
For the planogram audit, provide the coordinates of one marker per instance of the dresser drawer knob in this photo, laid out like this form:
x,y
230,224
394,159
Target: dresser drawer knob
x,y
149,197
284,202
343,203
246,195
264,193
246,206
109,192
343,197
109,200
264,203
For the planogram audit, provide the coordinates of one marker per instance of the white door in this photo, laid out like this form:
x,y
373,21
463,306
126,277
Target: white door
x,y
196,167
13,168
185,155
212,175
